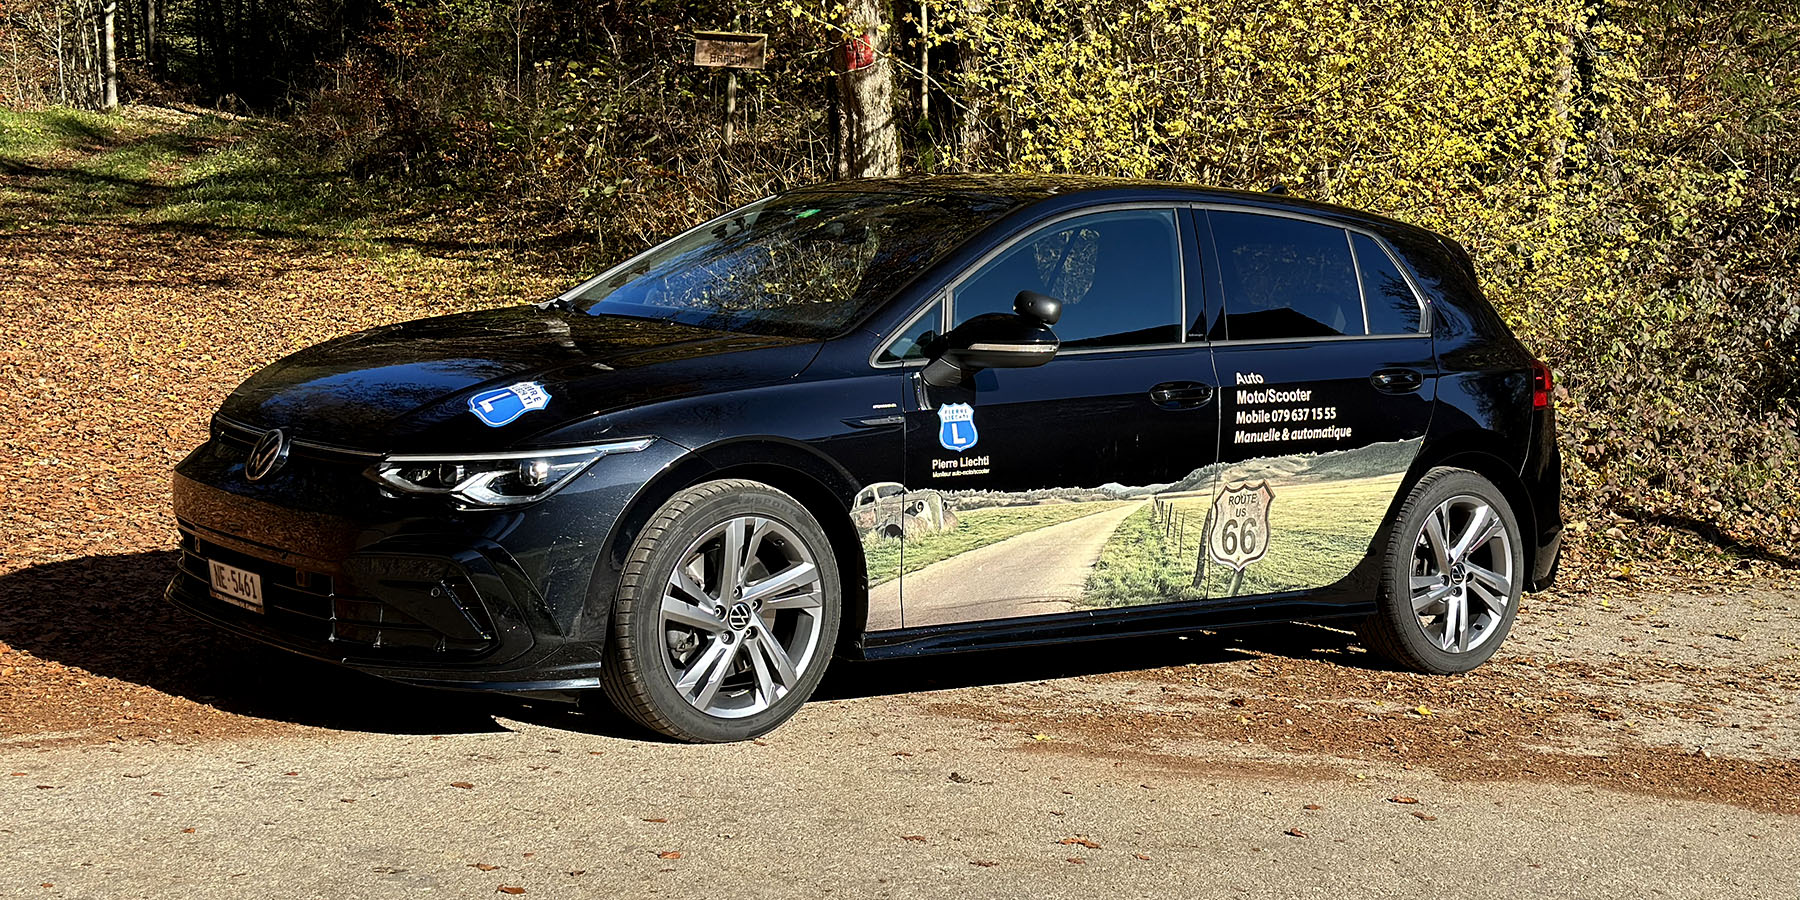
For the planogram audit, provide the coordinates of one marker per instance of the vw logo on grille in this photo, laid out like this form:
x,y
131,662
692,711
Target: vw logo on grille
x,y
268,455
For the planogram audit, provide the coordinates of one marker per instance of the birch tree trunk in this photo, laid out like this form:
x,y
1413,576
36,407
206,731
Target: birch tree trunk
x,y
109,52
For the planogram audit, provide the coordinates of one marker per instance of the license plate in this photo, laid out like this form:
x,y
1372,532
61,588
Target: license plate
x,y
236,586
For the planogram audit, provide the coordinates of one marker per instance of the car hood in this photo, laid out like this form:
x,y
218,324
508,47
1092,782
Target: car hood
x,y
407,387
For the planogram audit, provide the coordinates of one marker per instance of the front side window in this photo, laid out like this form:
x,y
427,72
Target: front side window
x,y
806,263
1285,278
1118,275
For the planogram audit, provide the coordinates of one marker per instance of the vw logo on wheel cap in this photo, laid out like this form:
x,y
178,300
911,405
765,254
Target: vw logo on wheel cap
x,y
268,455
739,616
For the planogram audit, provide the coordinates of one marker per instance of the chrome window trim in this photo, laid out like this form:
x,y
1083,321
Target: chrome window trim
x,y
1425,317
1362,296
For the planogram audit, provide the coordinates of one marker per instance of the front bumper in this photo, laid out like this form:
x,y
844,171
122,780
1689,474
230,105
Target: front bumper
x,y
512,600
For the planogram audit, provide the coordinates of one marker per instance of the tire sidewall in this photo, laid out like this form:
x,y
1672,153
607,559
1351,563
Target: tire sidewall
x,y
644,626
1396,594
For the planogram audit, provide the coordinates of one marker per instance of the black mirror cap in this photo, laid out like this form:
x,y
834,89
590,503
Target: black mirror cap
x,y
992,341
1042,307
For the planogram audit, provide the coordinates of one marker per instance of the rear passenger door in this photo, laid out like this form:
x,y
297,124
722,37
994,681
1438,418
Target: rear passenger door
x,y
1324,355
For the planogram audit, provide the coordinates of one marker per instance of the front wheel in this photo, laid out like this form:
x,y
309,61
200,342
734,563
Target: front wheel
x,y
726,616
1452,576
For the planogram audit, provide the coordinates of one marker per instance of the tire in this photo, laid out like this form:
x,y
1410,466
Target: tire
x,y
1417,624
706,676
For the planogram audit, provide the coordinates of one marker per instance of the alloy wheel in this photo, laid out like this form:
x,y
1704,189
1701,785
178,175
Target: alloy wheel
x,y
1462,573
741,616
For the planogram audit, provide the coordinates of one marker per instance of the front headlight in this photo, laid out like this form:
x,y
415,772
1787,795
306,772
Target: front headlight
x,y
493,479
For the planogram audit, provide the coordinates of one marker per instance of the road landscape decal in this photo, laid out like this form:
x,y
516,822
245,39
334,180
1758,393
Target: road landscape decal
x,y
1270,524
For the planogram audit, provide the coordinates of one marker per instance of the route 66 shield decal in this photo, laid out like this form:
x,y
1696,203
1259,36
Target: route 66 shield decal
x,y
956,426
1238,534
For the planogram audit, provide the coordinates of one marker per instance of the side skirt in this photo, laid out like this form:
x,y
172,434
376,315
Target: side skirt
x,y
1101,624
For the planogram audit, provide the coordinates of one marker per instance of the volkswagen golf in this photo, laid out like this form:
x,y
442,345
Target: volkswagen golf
x,y
892,417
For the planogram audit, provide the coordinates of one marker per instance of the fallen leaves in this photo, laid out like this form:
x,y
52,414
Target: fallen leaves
x,y
462,784
1424,817
658,820
485,867
1406,800
1296,832
509,889
1081,841
669,854
915,838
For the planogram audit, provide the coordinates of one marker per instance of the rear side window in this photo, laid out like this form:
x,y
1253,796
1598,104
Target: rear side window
x,y
1285,278
1118,275
1392,306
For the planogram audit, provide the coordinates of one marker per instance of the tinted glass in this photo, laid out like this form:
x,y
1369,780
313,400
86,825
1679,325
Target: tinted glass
x,y
1285,278
912,341
1118,275
806,263
1393,309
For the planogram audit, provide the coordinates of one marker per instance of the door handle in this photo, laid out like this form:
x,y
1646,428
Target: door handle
x,y
1181,394
1397,381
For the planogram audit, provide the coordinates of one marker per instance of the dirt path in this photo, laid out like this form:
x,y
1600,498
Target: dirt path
x,y
1033,574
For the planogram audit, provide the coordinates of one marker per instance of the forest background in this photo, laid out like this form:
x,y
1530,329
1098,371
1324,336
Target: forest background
x,y
1625,173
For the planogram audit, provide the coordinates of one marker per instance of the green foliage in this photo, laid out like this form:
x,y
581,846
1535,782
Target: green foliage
x,y
1624,176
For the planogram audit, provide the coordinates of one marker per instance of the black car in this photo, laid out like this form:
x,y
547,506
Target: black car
x,y
893,417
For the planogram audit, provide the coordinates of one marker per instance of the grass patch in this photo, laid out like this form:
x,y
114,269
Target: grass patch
x,y
1149,560
974,528
167,167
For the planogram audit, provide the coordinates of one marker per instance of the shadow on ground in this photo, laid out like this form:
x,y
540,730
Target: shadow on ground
x,y
106,615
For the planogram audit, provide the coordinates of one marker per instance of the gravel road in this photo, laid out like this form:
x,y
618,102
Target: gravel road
x,y
1036,573
1263,763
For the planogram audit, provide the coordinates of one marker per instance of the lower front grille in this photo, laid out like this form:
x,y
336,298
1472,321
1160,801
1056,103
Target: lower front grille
x,y
306,607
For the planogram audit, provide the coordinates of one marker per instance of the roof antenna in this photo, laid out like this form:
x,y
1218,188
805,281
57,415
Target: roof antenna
x,y
1277,188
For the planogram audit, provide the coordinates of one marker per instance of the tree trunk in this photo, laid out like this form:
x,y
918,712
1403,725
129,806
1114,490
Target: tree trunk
x,y
871,146
152,24
971,133
109,53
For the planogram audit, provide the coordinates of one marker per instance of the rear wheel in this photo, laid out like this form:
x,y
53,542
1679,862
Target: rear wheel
x,y
726,616
1452,578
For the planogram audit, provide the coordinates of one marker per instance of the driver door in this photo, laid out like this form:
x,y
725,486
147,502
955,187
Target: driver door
x,y
1050,480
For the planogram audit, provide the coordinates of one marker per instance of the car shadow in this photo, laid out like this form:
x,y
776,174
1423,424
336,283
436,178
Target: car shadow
x,y
107,615
853,679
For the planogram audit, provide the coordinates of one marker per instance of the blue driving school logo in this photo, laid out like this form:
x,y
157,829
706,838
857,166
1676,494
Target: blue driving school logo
x,y
956,426
502,405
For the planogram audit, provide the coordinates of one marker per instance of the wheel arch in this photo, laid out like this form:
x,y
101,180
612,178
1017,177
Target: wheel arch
x,y
815,481
1465,452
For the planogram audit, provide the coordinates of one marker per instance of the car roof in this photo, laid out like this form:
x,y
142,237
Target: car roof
x,y
1021,191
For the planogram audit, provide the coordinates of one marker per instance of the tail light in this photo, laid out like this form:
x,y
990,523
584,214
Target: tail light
x,y
1541,385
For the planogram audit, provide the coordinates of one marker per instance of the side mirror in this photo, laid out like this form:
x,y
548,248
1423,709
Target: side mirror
x,y
995,341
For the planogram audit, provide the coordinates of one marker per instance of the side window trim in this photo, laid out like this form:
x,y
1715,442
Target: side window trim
x,y
1362,293
1172,207
1425,317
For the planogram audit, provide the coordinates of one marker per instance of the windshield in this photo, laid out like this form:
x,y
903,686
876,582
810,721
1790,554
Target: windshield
x,y
804,264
